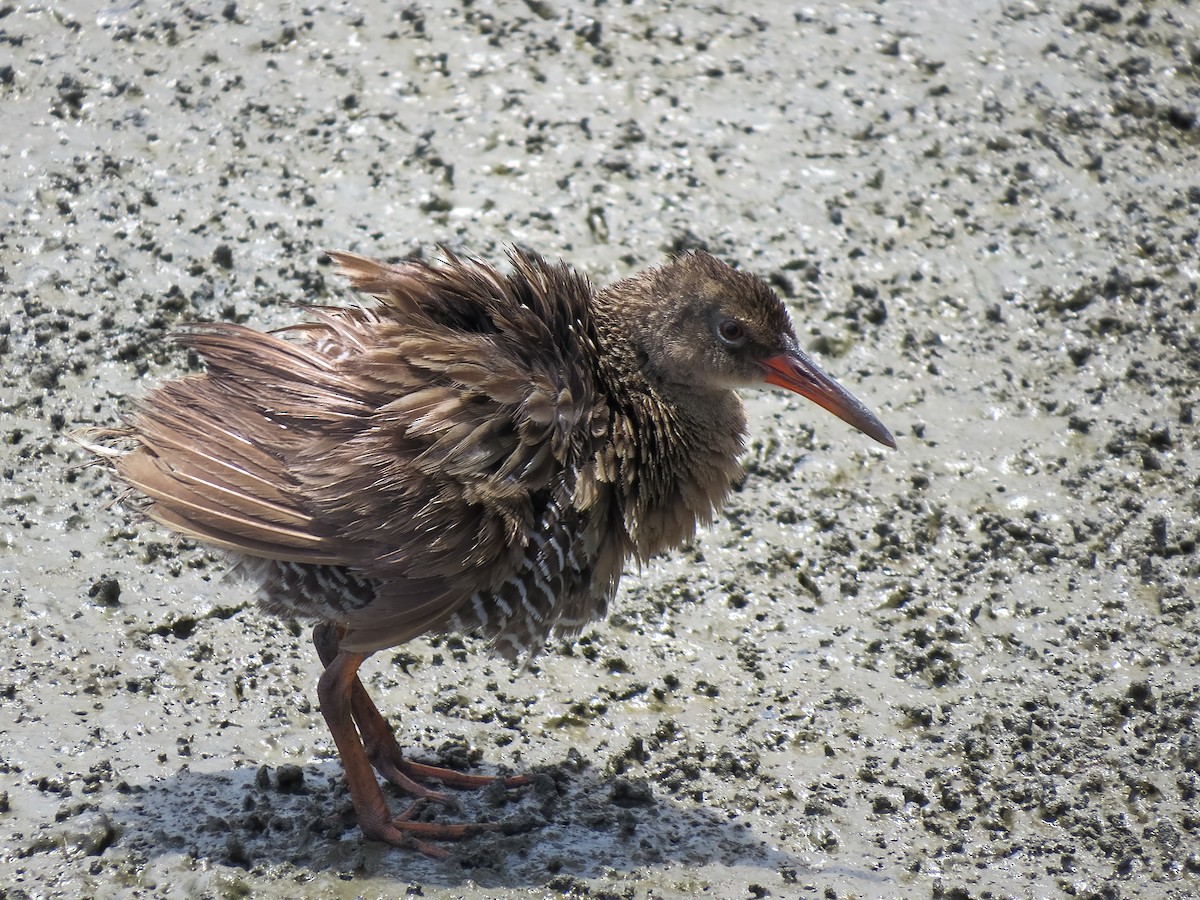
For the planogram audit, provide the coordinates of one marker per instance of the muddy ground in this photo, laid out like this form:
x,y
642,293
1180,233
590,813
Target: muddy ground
x,y
968,668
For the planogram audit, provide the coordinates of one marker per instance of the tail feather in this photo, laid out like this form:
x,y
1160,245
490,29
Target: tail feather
x,y
208,450
221,513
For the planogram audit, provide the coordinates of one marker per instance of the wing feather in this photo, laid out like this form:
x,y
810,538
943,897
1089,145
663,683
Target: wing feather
x,y
413,441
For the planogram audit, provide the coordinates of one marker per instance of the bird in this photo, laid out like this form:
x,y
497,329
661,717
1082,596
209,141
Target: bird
x,y
461,448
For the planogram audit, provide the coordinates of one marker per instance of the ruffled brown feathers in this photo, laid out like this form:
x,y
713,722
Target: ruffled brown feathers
x,y
476,450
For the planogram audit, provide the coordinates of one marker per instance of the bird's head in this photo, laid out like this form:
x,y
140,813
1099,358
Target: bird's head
x,y
700,324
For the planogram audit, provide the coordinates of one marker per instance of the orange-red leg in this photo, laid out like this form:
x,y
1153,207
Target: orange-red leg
x,y
365,742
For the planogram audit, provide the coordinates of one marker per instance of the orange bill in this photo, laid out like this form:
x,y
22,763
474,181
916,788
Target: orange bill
x,y
796,372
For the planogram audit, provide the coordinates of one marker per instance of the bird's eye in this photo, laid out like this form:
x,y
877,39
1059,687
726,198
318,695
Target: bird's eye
x,y
732,331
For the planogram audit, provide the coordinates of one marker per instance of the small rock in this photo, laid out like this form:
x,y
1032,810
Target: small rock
x,y
631,792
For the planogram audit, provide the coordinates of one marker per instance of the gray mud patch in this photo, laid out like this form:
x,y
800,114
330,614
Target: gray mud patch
x,y
968,668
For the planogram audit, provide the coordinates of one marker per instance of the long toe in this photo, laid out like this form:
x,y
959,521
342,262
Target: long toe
x,y
422,794
453,778
403,832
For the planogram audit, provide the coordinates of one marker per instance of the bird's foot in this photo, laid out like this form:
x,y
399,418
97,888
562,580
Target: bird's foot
x,y
407,775
386,758
404,831
368,747
452,778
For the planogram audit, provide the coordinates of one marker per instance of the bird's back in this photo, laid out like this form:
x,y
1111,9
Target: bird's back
x,y
405,467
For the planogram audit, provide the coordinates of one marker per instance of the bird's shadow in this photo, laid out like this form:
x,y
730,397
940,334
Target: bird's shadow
x,y
571,822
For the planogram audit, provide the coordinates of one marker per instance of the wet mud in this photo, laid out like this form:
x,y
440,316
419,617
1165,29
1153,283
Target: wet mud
x,y
968,668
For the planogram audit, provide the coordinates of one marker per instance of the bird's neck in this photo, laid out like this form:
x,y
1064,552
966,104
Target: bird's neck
x,y
677,448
